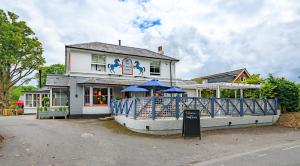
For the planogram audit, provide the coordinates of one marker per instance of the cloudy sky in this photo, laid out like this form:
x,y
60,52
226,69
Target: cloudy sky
x,y
207,36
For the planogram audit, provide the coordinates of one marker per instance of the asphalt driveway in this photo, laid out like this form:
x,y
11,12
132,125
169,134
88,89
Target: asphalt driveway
x,y
29,141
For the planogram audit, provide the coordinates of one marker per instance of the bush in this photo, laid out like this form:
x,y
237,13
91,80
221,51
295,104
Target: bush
x,y
286,91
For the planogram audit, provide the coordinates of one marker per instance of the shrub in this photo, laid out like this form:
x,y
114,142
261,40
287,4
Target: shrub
x,y
286,91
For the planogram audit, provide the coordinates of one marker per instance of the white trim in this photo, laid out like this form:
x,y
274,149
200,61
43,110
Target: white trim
x,y
241,74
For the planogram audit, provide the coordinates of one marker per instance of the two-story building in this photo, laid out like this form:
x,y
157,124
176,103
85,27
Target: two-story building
x,y
97,72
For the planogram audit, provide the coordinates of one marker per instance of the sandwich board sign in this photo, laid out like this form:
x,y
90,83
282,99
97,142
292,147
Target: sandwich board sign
x,y
191,123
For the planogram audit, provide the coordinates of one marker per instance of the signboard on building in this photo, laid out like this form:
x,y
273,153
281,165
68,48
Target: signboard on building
x,y
127,66
191,123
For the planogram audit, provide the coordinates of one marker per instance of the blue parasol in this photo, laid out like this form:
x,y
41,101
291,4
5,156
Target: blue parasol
x,y
134,88
173,89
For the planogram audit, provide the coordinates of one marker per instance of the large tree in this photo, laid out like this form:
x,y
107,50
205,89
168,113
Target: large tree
x,y
52,69
20,54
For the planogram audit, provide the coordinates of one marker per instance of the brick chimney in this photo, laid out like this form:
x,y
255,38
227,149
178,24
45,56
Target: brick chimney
x,y
119,42
160,50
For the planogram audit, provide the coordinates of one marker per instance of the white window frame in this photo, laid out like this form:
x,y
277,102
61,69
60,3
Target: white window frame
x,y
157,65
103,64
51,96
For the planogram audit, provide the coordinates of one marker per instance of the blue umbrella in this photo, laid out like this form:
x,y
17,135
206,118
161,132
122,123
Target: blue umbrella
x,y
154,84
134,88
174,89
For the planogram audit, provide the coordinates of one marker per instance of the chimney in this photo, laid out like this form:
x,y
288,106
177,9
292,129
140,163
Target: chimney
x,y
119,42
160,50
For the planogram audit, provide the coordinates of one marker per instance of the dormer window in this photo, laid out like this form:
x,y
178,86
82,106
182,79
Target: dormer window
x,y
155,68
98,63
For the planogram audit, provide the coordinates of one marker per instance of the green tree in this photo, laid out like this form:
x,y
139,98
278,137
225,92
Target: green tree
x,y
52,69
253,79
17,91
20,54
286,91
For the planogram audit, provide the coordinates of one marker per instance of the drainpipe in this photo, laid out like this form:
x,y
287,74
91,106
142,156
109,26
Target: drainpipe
x,y
40,77
171,81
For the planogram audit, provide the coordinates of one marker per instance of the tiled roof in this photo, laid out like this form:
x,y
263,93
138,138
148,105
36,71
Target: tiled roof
x,y
228,73
111,48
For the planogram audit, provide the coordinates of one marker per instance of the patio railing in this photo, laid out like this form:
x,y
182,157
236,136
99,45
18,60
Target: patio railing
x,y
163,107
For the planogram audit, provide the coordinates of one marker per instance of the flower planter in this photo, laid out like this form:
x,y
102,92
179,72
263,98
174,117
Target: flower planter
x,y
60,114
45,114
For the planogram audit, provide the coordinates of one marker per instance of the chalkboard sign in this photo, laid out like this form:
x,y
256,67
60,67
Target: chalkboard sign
x,y
191,123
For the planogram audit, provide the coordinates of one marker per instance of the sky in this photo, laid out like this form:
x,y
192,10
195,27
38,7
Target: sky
x,y
206,36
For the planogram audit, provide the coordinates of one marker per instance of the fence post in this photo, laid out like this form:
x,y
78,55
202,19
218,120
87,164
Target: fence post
x,y
126,112
212,107
134,108
265,106
254,109
153,107
195,102
116,107
276,105
177,99
241,106
227,106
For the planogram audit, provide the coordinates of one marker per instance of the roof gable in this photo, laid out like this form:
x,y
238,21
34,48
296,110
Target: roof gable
x,y
233,73
111,48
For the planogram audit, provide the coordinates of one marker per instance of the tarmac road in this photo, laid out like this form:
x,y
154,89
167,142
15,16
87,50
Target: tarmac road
x,y
29,141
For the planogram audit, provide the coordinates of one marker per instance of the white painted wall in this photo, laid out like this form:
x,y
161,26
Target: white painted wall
x,y
80,62
96,110
30,110
173,126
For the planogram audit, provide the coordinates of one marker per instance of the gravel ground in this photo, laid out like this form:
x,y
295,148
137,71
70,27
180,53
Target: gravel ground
x,y
28,141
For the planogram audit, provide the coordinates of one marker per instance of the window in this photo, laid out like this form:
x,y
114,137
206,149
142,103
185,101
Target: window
x,y
59,96
86,96
155,68
242,78
44,95
36,100
100,96
28,100
98,63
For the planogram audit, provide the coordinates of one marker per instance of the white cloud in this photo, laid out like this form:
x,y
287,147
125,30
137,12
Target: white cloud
x,y
207,36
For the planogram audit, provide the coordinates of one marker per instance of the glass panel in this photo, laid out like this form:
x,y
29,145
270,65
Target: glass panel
x,y
28,100
64,97
98,59
100,96
55,97
155,68
44,95
36,100
96,67
59,97
86,95
94,58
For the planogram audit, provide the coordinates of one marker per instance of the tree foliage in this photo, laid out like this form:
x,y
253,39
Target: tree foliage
x,y
253,79
17,91
286,91
52,69
20,54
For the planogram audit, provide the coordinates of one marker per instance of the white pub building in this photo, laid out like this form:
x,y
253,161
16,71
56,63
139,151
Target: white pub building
x,y
97,72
